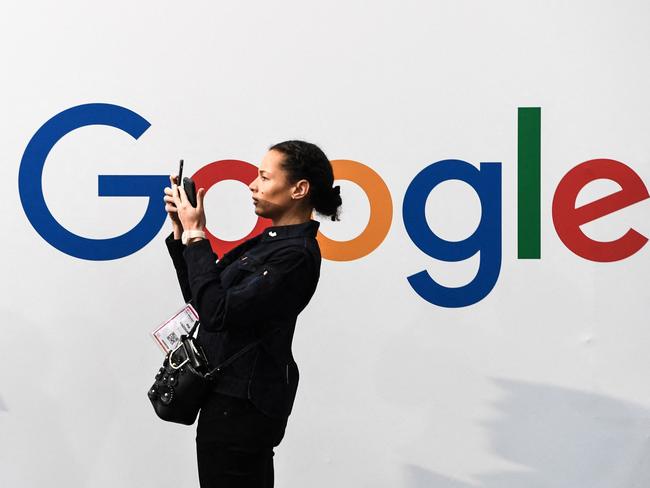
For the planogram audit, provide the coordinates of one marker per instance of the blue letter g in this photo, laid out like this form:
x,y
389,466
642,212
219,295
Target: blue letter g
x,y
31,188
485,240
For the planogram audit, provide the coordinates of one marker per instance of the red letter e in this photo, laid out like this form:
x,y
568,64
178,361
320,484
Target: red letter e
x,y
568,219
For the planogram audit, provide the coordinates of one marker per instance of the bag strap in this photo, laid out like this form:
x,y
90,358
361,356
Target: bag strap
x,y
239,353
191,332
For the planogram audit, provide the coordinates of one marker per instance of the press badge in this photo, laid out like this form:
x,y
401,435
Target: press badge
x,y
168,335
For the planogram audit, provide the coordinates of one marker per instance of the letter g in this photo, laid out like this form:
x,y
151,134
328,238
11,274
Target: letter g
x,y
31,189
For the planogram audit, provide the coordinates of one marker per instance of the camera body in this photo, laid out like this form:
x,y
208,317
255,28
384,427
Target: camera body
x,y
190,190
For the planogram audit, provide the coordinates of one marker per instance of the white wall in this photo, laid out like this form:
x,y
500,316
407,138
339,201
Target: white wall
x,y
541,384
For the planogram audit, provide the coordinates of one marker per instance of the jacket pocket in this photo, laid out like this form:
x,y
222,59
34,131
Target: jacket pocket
x,y
244,267
238,270
248,263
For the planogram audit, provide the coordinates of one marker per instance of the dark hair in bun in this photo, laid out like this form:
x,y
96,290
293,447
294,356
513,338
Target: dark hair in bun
x,y
304,160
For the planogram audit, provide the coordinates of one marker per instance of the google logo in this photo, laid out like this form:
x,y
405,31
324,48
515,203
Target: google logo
x,y
485,181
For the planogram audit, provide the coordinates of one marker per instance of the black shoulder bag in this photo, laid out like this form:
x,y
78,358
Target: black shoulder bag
x,y
185,379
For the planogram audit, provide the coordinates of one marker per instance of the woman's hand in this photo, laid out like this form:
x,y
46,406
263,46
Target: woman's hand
x,y
170,208
190,218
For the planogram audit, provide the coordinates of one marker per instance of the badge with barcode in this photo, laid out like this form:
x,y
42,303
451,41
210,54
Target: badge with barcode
x,y
168,334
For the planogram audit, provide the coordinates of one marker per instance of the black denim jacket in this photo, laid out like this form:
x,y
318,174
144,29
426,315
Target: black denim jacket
x,y
261,284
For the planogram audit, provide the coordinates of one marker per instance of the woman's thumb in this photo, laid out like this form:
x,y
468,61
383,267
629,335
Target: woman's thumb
x,y
199,197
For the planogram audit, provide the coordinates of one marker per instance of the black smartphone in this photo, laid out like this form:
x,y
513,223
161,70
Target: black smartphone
x,y
180,173
188,185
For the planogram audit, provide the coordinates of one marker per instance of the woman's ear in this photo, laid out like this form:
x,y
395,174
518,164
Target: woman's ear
x,y
301,188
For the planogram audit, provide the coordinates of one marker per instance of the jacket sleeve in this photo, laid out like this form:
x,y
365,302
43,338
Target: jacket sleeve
x,y
278,287
176,248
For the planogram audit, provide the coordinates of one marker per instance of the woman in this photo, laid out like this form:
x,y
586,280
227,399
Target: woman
x,y
254,291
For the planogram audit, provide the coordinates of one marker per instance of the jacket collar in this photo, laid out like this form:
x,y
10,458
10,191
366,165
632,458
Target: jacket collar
x,y
277,232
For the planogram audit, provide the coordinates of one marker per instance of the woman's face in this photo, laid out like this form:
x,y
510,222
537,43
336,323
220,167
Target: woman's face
x,y
271,189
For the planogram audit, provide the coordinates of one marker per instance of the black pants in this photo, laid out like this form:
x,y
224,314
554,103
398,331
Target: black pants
x,y
234,467
234,444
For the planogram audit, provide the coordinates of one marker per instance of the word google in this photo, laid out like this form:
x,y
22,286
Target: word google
x,y
485,180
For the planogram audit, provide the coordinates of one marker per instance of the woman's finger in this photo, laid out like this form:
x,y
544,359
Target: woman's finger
x,y
176,195
199,199
172,181
183,195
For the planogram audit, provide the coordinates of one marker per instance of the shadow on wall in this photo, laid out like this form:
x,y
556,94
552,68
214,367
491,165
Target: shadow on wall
x,y
562,438
3,407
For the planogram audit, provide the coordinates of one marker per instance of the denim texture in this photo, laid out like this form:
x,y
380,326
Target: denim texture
x,y
261,284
